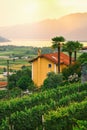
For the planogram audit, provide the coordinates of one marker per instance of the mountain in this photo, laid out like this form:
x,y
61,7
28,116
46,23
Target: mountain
x,y
2,39
72,27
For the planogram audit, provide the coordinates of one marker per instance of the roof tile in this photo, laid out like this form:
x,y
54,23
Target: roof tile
x,y
54,58
64,59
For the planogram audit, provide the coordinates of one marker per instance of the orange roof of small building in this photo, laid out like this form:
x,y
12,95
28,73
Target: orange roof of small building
x,y
3,84
64,59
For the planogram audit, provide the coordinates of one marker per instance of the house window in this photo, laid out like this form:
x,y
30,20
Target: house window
x,y
49,65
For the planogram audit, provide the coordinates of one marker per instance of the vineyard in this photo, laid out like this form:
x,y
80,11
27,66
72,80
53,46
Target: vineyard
x,y
63,108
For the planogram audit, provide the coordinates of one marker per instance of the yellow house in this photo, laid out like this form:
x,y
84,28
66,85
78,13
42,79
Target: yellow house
x,y
45,63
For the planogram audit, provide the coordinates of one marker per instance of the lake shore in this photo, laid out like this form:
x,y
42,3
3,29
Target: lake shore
x,y
31,43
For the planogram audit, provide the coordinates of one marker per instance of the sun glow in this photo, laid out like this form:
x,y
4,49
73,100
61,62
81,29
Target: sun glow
x,y
73,3
14,12
31,8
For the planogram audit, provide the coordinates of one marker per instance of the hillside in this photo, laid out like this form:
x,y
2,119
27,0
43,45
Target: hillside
x,y
2,39
73,26
63,108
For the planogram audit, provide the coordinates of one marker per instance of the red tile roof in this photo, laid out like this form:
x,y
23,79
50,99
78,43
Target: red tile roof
x,y
3,84
64,59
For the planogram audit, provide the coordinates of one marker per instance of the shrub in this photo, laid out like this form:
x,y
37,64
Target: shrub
x,y
82,58
23,82
71,70
52,81
21,79
73,78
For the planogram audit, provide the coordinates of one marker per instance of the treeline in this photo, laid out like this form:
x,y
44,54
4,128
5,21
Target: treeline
x,y
38,110
24,50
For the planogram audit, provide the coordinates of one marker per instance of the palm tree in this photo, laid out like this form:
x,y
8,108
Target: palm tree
x,y
69,47
78,46
57,44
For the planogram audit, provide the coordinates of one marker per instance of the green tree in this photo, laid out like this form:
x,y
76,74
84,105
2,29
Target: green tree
x,y
12,81
4,69
82,58
71,70
52,81
78,46
21,79
57,44
69,47
26,71
23,82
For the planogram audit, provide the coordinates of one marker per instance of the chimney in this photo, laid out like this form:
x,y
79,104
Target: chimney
x,y
39,52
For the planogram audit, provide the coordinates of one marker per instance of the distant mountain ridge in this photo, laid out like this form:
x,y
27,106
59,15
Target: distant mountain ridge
x,y
2,39
72,27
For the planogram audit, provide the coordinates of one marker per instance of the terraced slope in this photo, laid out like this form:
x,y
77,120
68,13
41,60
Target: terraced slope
x,y
63,108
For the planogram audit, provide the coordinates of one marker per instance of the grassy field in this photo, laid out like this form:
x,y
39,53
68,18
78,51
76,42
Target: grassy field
x,y
17,56
14,51
14,65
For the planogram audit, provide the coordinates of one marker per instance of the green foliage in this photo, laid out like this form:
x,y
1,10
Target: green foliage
x,y
12,93
21,51
57,105
58,39
66,118
21,79
23,82
82,58
4,69
78,45
4,125
26,112
32,118
15,92
41,98
12,81
3,94
26,72
71,70
82,125
28,119
52,81
69,47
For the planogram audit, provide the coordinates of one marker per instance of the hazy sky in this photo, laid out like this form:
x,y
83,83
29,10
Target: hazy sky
x,y
24,11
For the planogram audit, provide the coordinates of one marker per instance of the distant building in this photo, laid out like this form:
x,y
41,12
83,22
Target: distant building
x,y
45,63
84,49
3,85
5,73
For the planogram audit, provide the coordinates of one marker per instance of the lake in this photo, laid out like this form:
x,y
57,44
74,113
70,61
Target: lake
x,y
31,43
